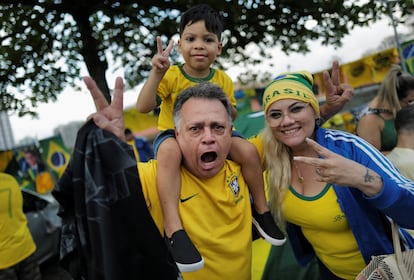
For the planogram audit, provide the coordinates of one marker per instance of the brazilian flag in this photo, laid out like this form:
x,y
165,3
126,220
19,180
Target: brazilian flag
x,y
55,154
13,162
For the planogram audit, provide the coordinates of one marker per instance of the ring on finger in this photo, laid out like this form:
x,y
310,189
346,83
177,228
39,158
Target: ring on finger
x,y
318,171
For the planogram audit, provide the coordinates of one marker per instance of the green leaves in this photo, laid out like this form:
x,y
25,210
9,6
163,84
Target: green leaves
x,y
44,43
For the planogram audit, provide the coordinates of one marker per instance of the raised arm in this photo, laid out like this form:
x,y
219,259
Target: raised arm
x,y
147,98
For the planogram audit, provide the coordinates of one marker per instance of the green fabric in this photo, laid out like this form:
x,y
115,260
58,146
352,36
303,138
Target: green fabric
x,y
250,124
388,136
281,264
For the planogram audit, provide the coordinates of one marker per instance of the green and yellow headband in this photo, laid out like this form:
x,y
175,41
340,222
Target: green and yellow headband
x,y
297,85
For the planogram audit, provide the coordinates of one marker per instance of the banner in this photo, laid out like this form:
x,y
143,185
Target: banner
x,y
55,154
33,173
29,169
366,71
408,54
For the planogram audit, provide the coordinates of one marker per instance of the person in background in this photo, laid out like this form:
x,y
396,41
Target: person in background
x,y
35,166
375,123
200,43
142,149
16,243
341,220
402,156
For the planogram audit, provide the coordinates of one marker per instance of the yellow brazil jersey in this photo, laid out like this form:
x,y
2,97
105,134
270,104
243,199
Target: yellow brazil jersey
x,y
16,243
257,141
134,149
176,80
216,214
325,226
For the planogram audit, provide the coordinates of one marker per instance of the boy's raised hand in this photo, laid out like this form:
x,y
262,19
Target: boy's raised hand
x,y
161,61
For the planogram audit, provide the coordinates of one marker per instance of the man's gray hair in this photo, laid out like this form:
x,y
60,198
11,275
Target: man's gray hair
x,y
203,90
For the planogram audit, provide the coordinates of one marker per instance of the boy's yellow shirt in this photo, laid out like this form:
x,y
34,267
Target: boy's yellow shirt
x,y
176,80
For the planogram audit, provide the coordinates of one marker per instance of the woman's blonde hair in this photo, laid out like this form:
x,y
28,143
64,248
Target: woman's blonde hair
x,y
278,174
395,87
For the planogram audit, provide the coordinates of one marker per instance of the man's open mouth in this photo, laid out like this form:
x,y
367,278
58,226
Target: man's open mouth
x,y
209,157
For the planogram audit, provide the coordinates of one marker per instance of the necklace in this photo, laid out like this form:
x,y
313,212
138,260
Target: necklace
x,y
300,177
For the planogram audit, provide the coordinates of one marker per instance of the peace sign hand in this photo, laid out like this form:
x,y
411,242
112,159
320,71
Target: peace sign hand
x,y
108,116
337,93
161,61
342,171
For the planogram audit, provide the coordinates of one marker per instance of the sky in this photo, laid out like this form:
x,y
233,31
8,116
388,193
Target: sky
x,y
74,105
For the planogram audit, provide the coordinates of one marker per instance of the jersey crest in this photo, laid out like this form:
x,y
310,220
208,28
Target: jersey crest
x,y
233,184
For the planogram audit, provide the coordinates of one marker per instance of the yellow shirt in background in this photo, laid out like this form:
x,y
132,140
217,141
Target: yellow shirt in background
x,y
16,243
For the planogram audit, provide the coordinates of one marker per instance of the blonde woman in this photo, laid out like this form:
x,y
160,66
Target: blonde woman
x,y
376,122
333,191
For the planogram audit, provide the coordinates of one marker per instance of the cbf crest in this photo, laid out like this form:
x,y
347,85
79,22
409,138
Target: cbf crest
x,y
233,184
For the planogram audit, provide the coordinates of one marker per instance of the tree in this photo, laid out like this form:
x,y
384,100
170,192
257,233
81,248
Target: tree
x,y
45,42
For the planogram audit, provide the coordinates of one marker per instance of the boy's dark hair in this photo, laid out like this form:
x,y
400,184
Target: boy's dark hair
x,y
211,18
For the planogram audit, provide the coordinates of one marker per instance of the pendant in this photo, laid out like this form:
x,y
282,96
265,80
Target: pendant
x,y
301,179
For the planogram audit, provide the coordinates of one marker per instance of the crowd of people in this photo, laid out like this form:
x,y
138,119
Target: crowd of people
x,y
205,185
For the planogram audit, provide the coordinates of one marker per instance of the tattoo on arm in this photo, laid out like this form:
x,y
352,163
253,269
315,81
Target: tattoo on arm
x,y
368,178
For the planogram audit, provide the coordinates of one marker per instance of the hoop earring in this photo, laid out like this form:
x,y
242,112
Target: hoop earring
x,y
318,121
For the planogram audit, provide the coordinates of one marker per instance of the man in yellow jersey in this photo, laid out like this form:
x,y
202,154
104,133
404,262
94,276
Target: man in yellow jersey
x,y
214,199
16,243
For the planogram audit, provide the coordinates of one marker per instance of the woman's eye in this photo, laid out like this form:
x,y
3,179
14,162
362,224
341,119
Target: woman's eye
x,y
297,109
275,115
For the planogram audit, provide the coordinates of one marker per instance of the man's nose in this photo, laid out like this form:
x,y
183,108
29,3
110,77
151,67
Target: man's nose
x,y
208,136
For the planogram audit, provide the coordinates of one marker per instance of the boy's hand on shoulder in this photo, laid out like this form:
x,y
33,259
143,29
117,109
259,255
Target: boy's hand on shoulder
x,y
161,61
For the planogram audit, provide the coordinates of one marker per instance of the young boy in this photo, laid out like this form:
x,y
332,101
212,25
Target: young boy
x,y
200,42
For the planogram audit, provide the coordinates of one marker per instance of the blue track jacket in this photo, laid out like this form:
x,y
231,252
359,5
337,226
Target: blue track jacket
x,y
367,216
